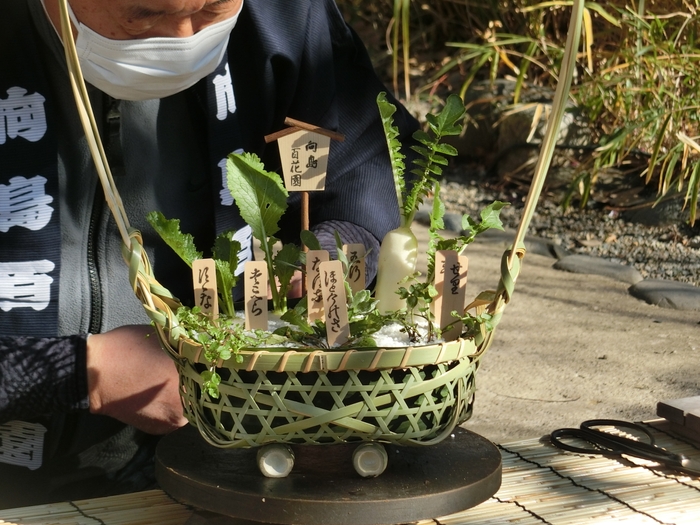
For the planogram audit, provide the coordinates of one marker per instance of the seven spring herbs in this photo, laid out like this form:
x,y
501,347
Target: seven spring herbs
x,y
401,294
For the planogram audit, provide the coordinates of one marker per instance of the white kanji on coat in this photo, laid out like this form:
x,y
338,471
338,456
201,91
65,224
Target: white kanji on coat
x,y
225,193
22,115
225,101
23,202
22,444
25,285
245,254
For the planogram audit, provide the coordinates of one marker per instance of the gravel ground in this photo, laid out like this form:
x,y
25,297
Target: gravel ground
x,y
657,252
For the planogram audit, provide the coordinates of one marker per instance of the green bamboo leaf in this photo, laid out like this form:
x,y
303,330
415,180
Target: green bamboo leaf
x,y
660,134
692,193
603,13
669,170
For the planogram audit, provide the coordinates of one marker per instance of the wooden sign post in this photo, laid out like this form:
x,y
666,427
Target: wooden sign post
x,y
335,303
304,150
314,259
356,261
205,292
450,283
304,157
255,295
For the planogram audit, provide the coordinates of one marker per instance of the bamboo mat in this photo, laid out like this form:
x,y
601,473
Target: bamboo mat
x,y
142,508
541,485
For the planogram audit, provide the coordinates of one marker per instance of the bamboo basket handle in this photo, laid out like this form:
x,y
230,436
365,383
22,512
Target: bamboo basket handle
x,y
512,258
87,119
158,302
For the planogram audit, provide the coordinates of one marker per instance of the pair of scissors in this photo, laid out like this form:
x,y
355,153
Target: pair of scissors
x,y
608,444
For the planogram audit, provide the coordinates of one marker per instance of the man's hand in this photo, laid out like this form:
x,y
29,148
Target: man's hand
x,y
131,379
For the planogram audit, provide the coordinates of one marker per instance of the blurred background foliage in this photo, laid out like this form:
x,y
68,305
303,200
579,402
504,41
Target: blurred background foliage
x,y
636,85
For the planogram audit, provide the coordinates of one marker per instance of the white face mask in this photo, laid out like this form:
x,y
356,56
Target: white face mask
x,y
150,67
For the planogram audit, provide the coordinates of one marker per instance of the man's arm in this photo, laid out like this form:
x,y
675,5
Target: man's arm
x,y
122,373
130,378
39,376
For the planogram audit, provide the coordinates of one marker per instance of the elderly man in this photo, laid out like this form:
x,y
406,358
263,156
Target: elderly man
x,y
176,85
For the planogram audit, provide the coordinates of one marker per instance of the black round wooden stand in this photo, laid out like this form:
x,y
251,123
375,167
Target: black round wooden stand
x,y
421,482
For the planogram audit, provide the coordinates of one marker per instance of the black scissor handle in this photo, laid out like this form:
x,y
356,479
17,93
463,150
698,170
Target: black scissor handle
x,y
612,445
557,437
601,443
592,423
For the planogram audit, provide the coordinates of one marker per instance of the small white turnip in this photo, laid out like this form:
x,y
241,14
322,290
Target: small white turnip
x,y
397,261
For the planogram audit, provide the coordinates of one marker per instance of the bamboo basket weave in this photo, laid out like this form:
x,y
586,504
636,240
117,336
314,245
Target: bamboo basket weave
x,y
412,395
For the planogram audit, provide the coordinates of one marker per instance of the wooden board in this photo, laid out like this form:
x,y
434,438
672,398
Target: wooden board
x,y
683,415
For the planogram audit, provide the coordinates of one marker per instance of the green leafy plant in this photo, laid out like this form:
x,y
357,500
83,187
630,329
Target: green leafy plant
x,y
220,341
262,200
363,317
399,250
636,84
225,254
643,101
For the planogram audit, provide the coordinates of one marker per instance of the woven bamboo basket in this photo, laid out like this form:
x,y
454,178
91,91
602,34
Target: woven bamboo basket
x,y
409,395
412,395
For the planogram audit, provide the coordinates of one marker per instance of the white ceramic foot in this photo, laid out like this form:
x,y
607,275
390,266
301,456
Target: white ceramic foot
x,y
370,460
276,460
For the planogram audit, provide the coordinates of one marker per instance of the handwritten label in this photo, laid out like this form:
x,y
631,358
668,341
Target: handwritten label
x,y
304,157
314,258
335,303
205,293
255,295
450,282
356,260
